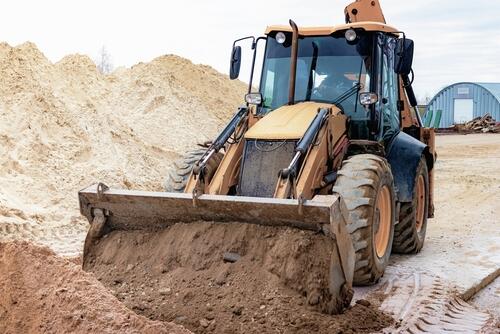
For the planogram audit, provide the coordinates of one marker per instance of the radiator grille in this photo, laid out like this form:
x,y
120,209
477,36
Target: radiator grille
x,y
262,161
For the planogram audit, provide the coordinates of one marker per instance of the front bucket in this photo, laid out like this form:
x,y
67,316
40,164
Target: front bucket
x,y
111,210
129,209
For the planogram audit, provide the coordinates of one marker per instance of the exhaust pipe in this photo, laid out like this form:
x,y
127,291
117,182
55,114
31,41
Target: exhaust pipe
x,y
293,63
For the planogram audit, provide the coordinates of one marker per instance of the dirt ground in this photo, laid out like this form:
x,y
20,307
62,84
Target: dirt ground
x,y
278,284
489,299
466,176
428,291
245,306
43,293
464,232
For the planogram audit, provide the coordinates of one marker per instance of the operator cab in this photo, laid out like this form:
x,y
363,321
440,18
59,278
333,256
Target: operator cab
x,y
352,66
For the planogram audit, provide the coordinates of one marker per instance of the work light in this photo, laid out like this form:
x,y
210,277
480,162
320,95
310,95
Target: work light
x,y
280,37
351,35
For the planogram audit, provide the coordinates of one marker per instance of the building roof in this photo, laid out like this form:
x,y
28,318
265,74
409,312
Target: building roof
x,y
492,88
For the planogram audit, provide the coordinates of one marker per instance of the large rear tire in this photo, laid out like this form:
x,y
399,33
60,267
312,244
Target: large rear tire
x,y
365,183
409,233
178,175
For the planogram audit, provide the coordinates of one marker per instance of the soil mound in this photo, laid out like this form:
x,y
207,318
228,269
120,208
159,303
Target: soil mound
x,y
65,126
278,279
42,293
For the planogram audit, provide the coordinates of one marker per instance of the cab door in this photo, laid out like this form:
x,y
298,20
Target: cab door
x,y
388,90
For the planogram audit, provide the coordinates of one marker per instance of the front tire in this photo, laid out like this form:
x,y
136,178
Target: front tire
x,y
366,184
409,233
178,175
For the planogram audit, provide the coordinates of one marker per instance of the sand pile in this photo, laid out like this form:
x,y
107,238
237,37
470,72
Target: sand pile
x,y
178,275
64,126
43,293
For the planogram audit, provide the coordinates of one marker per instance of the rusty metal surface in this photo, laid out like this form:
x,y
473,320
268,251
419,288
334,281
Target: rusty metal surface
x,y
127,209
98,228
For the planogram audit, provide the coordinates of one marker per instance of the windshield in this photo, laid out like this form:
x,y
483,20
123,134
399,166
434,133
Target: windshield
x,y
327,68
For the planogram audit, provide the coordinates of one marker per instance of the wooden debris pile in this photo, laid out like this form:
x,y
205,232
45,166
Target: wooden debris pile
x,y
482,124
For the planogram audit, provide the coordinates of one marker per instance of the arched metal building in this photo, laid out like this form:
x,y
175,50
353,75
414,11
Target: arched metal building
x,y
461,102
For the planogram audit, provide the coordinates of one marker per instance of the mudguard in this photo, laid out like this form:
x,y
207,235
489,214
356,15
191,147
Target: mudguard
x,y
404,154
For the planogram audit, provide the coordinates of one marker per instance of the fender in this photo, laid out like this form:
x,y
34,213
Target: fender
x,y
404,154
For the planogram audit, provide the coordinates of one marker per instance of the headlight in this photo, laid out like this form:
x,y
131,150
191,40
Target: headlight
x,y
280,37
253,98
367,99
351,35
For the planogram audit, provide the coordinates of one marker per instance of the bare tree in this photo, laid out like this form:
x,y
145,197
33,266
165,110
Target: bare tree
x,y
423,100
103,62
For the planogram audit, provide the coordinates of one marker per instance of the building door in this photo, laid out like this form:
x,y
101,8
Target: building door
x,y
464,110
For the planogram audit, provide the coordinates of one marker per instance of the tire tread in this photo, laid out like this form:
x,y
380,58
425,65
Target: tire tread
x,y
180,172
357,184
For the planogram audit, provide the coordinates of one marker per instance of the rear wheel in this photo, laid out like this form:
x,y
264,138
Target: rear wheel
x,y
409,233
178,175
365,183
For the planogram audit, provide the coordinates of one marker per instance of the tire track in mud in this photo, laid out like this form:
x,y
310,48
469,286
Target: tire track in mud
x,y
65,240
423,303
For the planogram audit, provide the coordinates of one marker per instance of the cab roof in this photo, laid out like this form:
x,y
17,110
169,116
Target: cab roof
x,y
325,31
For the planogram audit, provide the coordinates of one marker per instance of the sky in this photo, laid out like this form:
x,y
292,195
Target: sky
x,y
455,40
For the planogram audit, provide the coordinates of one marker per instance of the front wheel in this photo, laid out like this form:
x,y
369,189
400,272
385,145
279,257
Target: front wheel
x,y
366,184
178,175
409,233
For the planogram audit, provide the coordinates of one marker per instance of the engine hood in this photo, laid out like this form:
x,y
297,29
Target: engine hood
x,y
287,122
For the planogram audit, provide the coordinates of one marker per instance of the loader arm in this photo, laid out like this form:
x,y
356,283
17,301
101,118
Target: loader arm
x,y
330,146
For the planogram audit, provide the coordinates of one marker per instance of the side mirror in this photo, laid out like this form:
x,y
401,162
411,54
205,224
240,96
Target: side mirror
x,y
403,56
234,68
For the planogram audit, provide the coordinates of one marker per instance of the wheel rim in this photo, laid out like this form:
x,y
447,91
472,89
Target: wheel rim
x,y
420,202
383,231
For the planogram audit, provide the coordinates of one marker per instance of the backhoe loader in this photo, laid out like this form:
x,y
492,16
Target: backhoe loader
x,y
330,143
